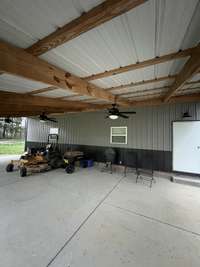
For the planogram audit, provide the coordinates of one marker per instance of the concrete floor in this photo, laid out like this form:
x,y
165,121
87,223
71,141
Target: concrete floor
x,y
94,219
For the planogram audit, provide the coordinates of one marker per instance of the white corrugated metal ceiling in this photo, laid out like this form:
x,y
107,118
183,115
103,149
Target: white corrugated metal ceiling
x,y
153,29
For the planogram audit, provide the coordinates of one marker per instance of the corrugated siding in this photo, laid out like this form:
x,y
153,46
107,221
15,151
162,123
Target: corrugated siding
x,y
150,128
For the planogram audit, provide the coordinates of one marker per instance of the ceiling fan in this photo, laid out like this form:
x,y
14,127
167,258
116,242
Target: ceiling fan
x,y
43,118
8,120
114,113
186,115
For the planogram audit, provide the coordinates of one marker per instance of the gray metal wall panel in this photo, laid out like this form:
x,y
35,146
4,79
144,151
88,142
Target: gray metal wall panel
x,y
150,128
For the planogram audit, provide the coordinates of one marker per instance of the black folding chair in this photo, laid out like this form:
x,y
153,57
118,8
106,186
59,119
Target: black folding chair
x,y
110,156
145,168
129,161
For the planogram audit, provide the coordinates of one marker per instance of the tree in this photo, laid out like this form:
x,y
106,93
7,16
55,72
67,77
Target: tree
x,y
13,129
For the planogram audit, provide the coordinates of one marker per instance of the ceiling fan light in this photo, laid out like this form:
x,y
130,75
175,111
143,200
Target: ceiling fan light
x,y
113,117
186,115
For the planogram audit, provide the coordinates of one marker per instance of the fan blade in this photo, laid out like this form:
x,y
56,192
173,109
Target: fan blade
x,y
128,112
123,116
8,120
51,119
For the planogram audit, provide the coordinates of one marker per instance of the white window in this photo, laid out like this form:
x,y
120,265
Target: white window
x,y
53,130
118,135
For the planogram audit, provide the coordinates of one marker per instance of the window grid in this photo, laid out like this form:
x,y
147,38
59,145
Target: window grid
x,y
112,134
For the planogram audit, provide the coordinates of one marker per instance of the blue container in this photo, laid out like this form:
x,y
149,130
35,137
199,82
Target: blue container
x,y
90,163
87,163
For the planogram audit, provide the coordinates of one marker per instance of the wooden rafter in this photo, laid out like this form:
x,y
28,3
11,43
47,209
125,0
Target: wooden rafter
x,y
69,96
147,92
42,90
25,110
144,82
193,82
147,96
20,114
191,67
32,100
157,101
143,64
131,85
124,86
143,91
87,21
18,62
187,90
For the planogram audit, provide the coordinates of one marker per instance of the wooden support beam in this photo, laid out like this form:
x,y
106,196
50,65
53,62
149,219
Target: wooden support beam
x,y
193,82
15,103
18,62
143,91
19,114
144,82
157,101
24,99
145,97
69,96
191,67
26,110
130,85
87,21
143,64
42,90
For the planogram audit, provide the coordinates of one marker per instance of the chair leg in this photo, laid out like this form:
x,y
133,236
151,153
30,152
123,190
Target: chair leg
x,y
151,183
106,166
137,177
125,167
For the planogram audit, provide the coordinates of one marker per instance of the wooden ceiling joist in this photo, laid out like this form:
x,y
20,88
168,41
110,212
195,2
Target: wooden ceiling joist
x,y
160,79
124,86
193,82
87,21
157,101
24,108
143,64
18,62
19,114
43,90
143,91
146,92
32,100
69,96
191,67
27,109
144,82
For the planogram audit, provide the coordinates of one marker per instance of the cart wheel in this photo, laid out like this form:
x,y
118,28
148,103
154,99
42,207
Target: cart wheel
x,y
23,172
10,167
70,168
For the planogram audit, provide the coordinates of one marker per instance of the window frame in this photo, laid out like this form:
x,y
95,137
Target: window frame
x,y
111,135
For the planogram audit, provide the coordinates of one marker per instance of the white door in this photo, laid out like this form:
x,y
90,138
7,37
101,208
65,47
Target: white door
x,y
186,146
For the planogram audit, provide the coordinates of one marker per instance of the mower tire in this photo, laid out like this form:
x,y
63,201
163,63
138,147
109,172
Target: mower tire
x,y
10,167
23,172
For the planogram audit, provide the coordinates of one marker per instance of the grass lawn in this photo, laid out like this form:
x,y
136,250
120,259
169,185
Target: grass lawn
x,y
12,147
